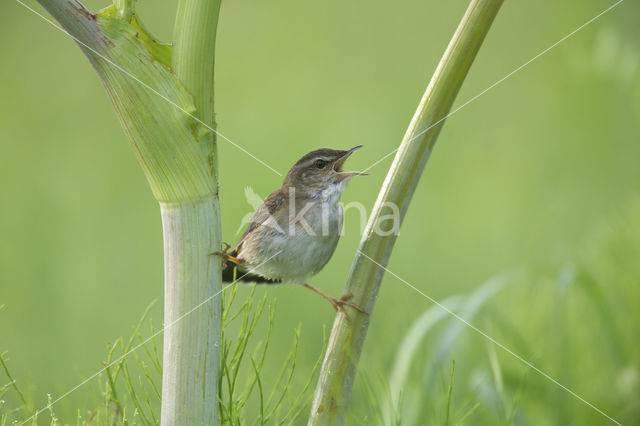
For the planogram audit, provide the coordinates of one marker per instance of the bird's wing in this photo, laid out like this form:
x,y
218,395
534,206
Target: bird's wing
x,y
264,213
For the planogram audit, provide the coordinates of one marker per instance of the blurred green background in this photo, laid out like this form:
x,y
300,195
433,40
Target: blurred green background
x,y
541,172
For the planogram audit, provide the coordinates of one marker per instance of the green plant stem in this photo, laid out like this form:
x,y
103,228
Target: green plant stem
x,y
192,315
125,8
347,337
193,60
191,231
155,105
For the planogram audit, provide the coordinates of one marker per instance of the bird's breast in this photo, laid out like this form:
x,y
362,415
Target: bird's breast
x,y
300,246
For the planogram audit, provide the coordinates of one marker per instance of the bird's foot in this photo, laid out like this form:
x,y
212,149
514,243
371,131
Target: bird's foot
x,y
338,304
226,256
344,300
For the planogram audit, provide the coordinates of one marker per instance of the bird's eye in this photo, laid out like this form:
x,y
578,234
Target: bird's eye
x,y
320,164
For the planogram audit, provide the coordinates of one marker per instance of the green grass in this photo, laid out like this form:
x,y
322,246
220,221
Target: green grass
x,y
257,402
130,385
578,323
537,173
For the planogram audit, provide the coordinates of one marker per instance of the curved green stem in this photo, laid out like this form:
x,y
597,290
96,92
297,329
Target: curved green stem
x,y
347,337
162,112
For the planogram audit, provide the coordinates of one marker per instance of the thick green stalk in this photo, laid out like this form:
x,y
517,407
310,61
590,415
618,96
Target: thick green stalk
x,y
191,231
193,60
192,316
347,337
168,118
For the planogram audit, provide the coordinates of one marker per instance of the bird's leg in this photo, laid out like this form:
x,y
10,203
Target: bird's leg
x,y
226,256
337,303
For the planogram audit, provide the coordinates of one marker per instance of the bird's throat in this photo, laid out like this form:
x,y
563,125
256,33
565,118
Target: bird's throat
x,y
332,193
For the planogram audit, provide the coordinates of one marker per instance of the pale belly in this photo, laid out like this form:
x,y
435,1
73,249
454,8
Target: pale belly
x,y
294,257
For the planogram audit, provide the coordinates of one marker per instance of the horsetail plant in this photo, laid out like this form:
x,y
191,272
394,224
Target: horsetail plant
x,y
163,97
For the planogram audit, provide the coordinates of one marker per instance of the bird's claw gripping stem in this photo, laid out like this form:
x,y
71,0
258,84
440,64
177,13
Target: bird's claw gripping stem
x,y
226,256
344,300
338,304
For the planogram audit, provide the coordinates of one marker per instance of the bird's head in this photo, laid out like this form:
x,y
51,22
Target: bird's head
x,y
318,170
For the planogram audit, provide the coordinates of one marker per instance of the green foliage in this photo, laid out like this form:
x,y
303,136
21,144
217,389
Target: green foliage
x,y
442,331
155,109
8,413
573,324
522,177
278,402
574,337
134,68
130,391
566,323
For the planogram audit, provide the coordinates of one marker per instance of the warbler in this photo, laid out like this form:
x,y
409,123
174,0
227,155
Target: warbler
x,y
295,231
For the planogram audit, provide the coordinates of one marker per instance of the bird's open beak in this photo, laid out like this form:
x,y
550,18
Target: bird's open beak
x,y
338,165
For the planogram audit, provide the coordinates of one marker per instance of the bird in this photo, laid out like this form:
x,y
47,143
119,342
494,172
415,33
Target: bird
x,y
295,231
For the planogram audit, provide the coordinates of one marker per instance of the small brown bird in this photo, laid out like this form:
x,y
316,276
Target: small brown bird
x,y
293,234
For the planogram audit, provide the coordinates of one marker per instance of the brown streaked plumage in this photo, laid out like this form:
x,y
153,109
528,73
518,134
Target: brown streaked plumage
x,y
294,233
